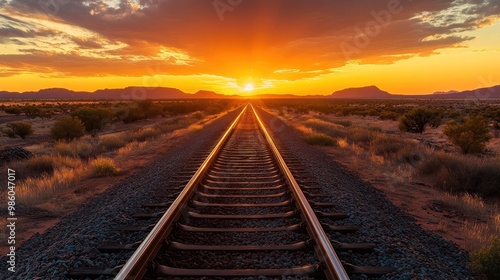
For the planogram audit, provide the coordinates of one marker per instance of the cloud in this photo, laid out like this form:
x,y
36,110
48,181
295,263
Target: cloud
x,y
256,35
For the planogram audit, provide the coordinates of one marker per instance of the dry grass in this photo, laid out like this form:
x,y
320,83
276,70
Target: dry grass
x,y
111,143
319,139
472,205
195,127
343,143
48,174
389,146
144,134
479,234
103,167
485,260
133,146
33,191
82,148
463,174
402,176
332,130
360,135
483,221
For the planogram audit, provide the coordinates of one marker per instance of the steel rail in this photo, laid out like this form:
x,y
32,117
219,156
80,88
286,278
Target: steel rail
x,y
136,266
334,268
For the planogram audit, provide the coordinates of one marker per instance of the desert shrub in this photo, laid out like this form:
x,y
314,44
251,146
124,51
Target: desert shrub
x,y
343,123
102,167
320,140
374,128
430,165
143,134
199,115
461,174
411,154
360,135
13,110
67,128
94,119
46,164
149,108
81,148
470,136
112,143
33,191
41,164
33,112
417,119
388,115
133,114
486,260
386,145
9,133
21,129
325,127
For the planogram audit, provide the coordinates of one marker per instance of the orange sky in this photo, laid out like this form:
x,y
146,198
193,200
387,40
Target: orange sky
x,y
250,46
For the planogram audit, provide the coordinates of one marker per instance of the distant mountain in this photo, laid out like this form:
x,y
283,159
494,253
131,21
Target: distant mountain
x,y
480,93
282,96
139,93
373,92
133,93
206,94
445,92
126,94
361,93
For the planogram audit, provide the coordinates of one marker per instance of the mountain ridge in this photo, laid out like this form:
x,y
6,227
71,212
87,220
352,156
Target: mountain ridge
x,y
135,92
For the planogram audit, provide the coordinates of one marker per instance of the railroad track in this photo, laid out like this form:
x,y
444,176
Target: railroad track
x,y
246,211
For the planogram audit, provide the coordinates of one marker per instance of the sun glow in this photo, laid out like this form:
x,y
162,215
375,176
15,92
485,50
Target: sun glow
x,y
249,87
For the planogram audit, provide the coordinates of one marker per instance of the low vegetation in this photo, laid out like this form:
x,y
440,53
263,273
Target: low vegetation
x,y
94,118
21,129
320,140
386,109
462,174
416,120
34,190
68,128
486,260
103,167
34,112
470,135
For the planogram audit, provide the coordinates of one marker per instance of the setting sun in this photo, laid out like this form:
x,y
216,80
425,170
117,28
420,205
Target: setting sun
x,y
249,87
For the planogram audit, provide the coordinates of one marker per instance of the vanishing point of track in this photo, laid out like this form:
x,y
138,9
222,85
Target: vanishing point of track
x,y
242,214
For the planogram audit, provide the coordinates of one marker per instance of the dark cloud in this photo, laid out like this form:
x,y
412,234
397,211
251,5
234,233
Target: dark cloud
x,y
12,32
87,43
270,35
